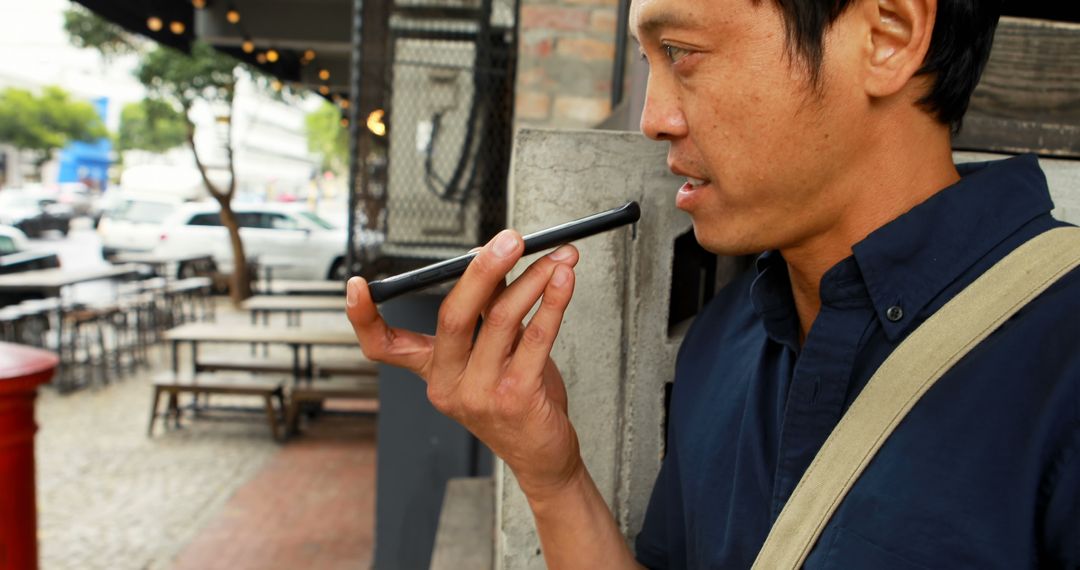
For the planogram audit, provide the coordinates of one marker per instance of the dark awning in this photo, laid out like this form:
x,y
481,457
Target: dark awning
x,y
133,15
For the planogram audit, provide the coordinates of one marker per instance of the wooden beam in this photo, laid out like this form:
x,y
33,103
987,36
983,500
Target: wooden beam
x,y
1029,97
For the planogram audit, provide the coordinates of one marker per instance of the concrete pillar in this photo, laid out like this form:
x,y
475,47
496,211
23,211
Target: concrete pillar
x,y
616,347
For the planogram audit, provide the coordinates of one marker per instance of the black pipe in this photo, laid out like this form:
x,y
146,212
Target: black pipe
x,y
354,134
618,74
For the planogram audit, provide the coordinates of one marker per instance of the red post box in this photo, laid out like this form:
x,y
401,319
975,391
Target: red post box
x,y
22,369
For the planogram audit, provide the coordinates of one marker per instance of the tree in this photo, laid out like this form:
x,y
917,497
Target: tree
x,y
151,125
42,124
179,81
87,30
207,76
328,138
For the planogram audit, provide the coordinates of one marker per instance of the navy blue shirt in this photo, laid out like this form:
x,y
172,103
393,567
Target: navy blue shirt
x,y
985,470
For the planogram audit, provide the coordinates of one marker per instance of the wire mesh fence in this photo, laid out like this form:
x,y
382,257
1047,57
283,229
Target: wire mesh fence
x,y
438,177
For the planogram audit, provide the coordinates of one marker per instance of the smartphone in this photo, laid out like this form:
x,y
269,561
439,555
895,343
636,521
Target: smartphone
x,y
443,271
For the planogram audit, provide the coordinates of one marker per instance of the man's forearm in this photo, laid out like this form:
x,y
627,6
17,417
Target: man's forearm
x,y
577,530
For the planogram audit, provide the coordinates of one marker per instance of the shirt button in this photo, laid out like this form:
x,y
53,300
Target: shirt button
x,y
894,313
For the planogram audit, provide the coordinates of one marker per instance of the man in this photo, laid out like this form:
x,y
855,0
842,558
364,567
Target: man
x,y
820,133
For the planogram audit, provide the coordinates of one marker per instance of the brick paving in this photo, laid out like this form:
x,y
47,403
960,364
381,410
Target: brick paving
x,y
219,493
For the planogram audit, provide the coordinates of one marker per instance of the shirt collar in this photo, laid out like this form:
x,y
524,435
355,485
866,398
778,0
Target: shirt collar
x,y
770,295
909,261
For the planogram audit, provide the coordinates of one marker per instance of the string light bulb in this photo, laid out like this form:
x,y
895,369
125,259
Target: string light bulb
x,y
248,46
272,55
343,103
344,123
375,122
233,16
198,4
261,58
309,54
154,23
176,27
324,74
276,85
324,90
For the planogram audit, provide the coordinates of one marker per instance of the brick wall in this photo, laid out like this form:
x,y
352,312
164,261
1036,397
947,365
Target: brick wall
x,y
566,52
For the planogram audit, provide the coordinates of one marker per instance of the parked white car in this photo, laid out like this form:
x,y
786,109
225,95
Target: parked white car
x,y
295,242
132,221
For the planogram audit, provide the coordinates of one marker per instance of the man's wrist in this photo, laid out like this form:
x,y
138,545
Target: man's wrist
x,y
551,494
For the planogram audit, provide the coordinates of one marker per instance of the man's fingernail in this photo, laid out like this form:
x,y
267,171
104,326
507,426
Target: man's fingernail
x,y
561,254
351,294
505,243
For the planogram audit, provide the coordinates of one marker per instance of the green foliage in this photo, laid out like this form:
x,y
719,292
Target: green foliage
x,y
47,122
206,74
86,29
327,138
151,125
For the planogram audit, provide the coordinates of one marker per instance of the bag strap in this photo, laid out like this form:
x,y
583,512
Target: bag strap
x,y
919,361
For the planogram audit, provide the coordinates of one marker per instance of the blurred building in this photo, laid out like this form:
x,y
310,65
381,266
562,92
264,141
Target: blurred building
x,y
269,135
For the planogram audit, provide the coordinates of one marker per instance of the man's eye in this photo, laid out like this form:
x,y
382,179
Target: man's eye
x,y
674,54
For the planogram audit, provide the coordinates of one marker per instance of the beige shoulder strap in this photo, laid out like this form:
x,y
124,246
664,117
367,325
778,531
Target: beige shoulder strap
x,y
903,378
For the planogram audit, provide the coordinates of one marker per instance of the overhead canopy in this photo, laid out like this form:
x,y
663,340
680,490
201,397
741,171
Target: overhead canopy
x,y
279,37
295,30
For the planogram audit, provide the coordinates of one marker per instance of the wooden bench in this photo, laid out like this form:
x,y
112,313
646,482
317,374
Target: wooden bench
x,y
357,366
317,392
264,365
322,367
174,385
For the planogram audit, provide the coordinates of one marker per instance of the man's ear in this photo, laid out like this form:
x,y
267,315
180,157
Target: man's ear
x,y
900,32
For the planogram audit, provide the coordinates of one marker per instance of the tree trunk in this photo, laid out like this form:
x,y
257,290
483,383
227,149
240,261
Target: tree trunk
x,y
240,286
240,281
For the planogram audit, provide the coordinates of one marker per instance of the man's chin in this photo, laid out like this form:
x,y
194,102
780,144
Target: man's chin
x,y
725,244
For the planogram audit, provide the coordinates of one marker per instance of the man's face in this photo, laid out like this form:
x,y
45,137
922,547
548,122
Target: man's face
x,y
763,150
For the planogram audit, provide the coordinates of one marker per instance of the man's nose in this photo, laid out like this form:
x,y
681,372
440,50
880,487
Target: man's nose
x,y
662,118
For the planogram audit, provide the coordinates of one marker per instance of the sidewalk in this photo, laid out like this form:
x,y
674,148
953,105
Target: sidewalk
x,y
219,493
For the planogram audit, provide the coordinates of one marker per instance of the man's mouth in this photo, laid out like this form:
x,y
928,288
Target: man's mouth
x,y
695,182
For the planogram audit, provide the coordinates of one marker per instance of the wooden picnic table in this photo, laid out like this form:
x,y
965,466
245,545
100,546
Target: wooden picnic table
x,y
302,287
299,339
161,263
51,283
291,305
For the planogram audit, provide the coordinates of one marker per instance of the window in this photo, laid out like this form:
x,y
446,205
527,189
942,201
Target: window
x,y
211,219
315,219
143,212
280,222
249,220
7,245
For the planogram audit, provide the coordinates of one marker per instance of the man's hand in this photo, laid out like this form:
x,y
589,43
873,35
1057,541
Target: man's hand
x,y
503,387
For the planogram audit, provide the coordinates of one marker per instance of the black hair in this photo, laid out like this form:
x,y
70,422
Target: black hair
x,y
959,47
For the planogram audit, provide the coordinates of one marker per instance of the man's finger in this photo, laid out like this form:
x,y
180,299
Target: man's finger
x,y
379,341
539,335
502,327
461,309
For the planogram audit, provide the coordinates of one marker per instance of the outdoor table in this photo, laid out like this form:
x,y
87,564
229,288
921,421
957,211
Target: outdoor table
x,y
291,305
52,282
296,338
302,287
22,369
267,265
161,263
